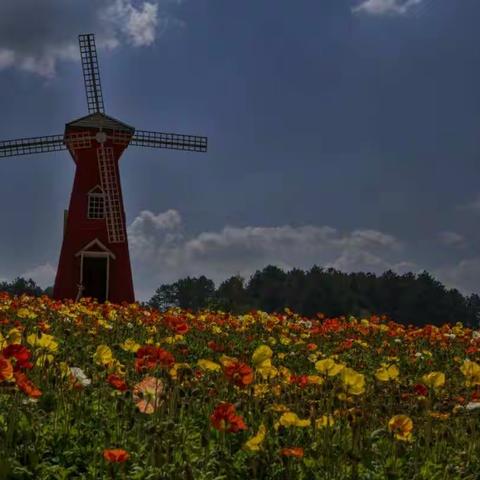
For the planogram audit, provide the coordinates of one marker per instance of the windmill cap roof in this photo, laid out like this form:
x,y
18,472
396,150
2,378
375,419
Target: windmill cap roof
x,y
97,120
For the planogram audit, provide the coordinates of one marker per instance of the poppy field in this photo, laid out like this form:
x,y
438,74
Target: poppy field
x,y
120,391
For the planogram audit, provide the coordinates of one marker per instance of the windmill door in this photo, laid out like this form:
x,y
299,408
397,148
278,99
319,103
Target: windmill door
x,y
95,277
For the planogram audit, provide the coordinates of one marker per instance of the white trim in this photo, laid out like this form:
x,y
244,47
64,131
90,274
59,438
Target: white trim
x,y
108,279
96,242
97,186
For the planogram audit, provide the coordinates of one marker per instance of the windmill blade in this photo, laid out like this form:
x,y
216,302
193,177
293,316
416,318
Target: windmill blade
x,y
26,146
173,141
91,73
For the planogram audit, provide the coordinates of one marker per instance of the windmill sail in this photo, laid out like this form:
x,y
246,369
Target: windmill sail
x,y
91,73
172,141
26,146
110,184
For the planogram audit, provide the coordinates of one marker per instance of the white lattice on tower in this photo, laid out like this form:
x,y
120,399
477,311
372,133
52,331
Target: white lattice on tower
x,y
113,207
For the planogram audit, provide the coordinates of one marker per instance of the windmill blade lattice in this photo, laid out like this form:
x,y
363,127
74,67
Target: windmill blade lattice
x,y
172,141
91,73
110,185
26,146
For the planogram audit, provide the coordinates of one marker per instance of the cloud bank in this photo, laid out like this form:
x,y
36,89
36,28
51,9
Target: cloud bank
x,y
386,7
161,253
48,34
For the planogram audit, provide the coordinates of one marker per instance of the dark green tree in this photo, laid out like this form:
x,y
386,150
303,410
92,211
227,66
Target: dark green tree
x,y
21,286
231,295
266,289
165,296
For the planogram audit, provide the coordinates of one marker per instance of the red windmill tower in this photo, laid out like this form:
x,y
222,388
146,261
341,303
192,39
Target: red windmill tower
x,y
94,260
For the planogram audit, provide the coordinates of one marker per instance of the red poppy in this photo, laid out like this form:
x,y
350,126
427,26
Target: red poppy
x,y
181,328
239,373
471,350
177,324
215,346
292,452
475,396
117,382
149,356
420,389
225,418
20,353
300,380
115,455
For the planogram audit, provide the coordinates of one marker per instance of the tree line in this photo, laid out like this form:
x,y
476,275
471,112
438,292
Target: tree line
x,y
409,299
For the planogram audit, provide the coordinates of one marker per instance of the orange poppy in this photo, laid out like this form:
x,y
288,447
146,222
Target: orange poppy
x,y
6,369
26,386
115,455
292,452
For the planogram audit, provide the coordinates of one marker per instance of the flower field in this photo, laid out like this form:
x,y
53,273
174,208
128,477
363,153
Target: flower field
x,y
106,391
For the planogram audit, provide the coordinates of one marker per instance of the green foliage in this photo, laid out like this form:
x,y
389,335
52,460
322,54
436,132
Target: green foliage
x,y
21,286
408,299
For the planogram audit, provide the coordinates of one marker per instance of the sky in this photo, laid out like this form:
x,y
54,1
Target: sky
x,y
342,133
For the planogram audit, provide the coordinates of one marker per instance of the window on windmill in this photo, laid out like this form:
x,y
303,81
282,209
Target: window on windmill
x,y
96,205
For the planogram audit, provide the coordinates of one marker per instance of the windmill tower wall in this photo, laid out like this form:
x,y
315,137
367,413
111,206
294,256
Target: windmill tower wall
x,y
94,251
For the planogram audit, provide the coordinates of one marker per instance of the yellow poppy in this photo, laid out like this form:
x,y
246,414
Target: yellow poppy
x,y
324,421
103,355
261,354
329,367
434,379
387,373
205,364
14,336
401,426
471,371
290,419
253,444
353,382
47,342
130,345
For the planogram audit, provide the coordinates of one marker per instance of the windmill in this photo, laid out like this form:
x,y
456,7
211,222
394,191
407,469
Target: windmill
x,y
94,259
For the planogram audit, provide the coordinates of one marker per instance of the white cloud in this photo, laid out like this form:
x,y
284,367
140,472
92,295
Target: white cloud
x,y
162,254
473,206
35,39
7,58
463,276
452,239
43,275
137,24
386,7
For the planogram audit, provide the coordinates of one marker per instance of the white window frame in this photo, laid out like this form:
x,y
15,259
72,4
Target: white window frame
x,y
94,193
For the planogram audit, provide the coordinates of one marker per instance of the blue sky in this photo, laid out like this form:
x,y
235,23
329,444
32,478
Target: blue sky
x,y
341,133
